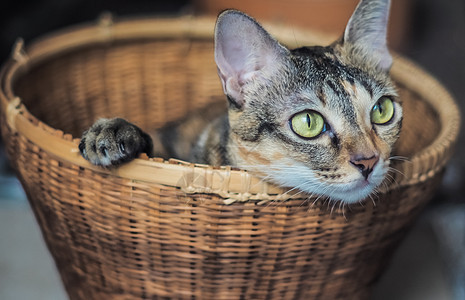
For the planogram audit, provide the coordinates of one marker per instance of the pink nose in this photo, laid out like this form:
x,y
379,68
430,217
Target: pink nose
x,y
364,164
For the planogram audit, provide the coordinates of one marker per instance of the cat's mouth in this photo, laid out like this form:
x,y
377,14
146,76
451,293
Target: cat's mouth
x,y
356,190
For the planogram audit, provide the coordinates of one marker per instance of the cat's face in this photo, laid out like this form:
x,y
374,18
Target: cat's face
x,y
320,129
319,119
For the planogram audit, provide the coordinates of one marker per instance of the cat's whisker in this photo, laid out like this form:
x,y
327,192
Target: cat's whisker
x,y
293,189
275,203
332,208
313,195
343,211
270,203
349,207
320,195
376,193
372,200
337,206
332,204
400,158
392,179
316,200
325,197
297,44
385,183
316,197
307,200
342,205
396,170
310,205
280,203
299,193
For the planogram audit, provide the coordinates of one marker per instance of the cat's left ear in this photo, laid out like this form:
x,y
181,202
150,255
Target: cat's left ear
x,y
367,31
244,53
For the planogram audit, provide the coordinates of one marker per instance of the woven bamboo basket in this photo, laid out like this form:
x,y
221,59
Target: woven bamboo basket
x,y
155,229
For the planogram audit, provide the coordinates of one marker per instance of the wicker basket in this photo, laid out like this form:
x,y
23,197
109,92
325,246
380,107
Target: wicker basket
x,y
156,229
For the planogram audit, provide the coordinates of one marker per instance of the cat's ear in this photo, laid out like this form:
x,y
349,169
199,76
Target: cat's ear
x,y
244,52
367,31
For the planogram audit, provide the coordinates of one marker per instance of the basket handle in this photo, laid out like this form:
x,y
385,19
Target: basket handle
x,y
19,53
14,106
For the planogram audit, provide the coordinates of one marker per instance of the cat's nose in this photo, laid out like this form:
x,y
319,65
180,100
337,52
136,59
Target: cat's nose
x,y
364,164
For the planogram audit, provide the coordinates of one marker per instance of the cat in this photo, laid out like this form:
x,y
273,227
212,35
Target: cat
x,y
321,119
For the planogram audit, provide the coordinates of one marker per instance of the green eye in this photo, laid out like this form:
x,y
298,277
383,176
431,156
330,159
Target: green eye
x,y
308,124
383,111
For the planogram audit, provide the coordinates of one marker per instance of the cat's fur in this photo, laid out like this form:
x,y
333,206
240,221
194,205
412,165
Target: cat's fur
x,y
266,84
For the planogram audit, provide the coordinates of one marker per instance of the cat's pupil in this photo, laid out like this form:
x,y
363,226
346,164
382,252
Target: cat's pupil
x,y
308,121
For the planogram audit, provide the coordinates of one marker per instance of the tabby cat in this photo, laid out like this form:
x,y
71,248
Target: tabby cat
x,y
319,119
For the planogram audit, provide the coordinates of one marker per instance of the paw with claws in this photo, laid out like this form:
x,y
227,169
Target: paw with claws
x,y
111,142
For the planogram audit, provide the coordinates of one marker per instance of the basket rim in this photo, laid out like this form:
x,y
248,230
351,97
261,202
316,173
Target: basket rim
x,y
229,183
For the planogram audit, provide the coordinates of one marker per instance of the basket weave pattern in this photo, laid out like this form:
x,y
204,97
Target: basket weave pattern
x,y
162,230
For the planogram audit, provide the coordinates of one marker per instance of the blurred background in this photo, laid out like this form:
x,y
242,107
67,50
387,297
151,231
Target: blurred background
x,y
430,263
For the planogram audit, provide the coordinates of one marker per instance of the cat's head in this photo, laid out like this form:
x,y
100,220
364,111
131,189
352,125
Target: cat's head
x,y
319,119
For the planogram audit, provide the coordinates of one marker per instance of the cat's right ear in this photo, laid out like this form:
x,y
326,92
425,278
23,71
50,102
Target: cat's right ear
x,y
244,52
367,31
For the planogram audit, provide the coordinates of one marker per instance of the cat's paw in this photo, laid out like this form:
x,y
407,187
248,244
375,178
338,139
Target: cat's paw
x,y
111,142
